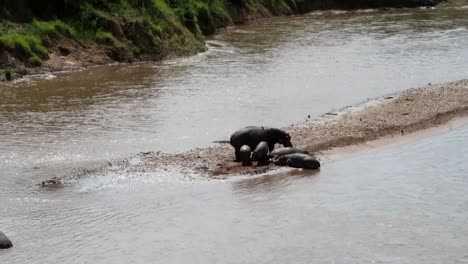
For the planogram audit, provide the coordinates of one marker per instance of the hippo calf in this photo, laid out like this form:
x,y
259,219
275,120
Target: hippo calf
x,y
285,151
245,154
260,152
252,135
299,160
5,242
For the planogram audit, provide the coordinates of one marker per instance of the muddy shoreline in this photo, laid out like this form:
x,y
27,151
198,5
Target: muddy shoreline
x,y
405,112
389,117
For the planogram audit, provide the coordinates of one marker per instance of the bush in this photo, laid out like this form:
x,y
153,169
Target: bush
x,y
34,61
9,73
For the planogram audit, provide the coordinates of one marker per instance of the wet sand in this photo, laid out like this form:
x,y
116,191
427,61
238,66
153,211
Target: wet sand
x,y
406,112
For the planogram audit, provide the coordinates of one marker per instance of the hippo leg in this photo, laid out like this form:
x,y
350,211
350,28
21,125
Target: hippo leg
x,y
271,147
263,162
237,152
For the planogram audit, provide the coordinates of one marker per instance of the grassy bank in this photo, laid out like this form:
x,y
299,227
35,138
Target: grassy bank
x,y
33,33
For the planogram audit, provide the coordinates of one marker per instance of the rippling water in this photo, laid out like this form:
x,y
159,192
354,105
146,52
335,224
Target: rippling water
x,y
404,204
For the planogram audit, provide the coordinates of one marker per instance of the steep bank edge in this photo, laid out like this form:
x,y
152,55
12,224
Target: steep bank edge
x,y
49,46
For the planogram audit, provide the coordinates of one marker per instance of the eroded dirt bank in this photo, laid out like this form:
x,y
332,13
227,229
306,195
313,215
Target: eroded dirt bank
x,y
405,112
90,34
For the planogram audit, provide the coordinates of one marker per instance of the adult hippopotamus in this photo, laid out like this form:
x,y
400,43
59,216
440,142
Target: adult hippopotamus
x,y
285,151
245,154
299,160
5,242
260,152
252,135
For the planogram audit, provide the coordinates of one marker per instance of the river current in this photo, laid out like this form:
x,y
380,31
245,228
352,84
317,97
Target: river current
x,y
396,204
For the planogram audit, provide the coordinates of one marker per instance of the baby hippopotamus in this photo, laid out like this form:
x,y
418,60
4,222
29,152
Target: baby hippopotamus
x,y
245,154
5,242
275,154
260,152
299,160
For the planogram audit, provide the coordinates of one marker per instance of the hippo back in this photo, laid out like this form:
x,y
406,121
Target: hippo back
x,y
245,153
303,161
252,135
260,152
285,151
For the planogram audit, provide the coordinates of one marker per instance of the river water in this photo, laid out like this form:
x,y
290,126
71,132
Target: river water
x,y
398,204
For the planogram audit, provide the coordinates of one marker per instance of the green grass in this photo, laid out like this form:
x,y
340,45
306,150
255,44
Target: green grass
x,y
30,42
106,38
26,46
34,61
162,27
52,29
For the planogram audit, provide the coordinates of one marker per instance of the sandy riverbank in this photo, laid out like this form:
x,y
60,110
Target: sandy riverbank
x,y
385,121
406,112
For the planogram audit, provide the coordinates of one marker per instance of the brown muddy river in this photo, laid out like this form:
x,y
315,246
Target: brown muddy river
x,y
399,204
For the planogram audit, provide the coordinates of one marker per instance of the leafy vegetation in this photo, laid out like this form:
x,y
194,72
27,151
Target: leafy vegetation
x,y
130,29
9,73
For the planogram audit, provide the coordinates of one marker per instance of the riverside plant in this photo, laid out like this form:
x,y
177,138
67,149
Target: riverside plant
x,y
128,29
9,73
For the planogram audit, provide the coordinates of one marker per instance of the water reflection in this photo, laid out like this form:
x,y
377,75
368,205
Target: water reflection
x,y
271,182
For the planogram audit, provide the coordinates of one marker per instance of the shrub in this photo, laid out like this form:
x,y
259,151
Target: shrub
x,y
34,61
9,73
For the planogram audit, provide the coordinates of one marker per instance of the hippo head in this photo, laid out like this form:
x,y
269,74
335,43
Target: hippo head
x,y
280,160
285,140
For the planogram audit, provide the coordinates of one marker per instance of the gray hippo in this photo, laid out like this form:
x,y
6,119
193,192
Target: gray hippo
x,y
299,160
260,152
252,135
245,154
5,242
285,151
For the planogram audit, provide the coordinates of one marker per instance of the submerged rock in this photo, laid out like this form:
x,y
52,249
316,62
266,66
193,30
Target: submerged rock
x,y
5,242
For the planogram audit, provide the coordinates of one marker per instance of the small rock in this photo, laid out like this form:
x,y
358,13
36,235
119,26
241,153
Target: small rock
x,y
64,51
5,242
